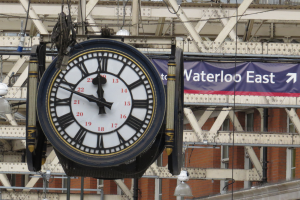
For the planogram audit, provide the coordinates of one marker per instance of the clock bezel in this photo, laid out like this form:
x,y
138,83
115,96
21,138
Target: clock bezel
x,y
134,149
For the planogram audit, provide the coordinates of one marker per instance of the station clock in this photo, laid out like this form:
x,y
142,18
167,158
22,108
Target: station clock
x,y
106,108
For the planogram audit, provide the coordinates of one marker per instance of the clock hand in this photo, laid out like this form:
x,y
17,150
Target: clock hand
x,y
91,98
99,80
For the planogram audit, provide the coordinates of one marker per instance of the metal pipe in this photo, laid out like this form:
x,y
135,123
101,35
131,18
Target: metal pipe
x,y
265,149
82,188
102,194
242,105
135,189
68,188
39,188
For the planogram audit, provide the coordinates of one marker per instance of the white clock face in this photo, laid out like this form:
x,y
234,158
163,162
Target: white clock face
x,y
88,125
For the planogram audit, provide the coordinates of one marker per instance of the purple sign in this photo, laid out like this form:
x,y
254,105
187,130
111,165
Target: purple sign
x,y
248,78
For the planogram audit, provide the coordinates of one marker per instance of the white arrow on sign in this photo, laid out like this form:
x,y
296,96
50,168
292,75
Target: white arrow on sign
x,y
293,76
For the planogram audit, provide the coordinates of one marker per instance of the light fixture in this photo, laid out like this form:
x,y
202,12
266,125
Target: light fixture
x,y
4,105
183,189
123,32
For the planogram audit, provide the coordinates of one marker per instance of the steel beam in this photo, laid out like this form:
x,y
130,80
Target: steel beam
x,y
36,20
240,101
245,139
18,145
232,22
15,68
51,196
193,122
136,9
124,188
224,21
294,118
188,26
248,30
197,173
5,182
160,26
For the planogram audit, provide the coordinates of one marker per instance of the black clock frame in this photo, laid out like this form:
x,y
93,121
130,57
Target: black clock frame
x,y
111,160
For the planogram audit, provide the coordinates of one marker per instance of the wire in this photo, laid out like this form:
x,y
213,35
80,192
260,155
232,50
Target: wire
x,y
172,8
26,17
234,90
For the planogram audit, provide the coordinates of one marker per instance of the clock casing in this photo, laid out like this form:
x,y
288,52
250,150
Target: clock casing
x,y
106,108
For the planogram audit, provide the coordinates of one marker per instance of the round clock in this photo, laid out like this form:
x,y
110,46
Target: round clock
x,y
106,108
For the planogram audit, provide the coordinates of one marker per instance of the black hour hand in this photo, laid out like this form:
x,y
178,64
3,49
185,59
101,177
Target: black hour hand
x,y
99,80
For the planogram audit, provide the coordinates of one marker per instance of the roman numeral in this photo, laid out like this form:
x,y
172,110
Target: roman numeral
x,y
71,85
66,120
100,142
83,69
121,70
80,135
121,139
134,122
103,64
62,102
135,84
140,103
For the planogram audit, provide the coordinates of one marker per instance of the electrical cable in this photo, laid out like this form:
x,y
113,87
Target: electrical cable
x,y
26,17
172,8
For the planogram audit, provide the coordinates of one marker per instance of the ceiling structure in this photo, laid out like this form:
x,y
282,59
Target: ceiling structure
x,y
201,28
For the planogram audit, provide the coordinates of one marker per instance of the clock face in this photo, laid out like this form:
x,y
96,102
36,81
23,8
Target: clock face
x,y
104,106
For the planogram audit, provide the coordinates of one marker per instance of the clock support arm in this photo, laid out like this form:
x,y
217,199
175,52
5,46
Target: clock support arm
x,y
169,137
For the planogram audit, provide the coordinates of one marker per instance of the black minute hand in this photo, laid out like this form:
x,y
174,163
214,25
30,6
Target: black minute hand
x,y
91,98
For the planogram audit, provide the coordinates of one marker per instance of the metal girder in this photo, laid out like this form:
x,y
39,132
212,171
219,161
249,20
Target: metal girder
x,y
51,160
205,116
4,180
188,26
93,26
51,196
246,139
16,93
156,11
218,123
136,9
160,26
36,20
242,101
15,68
249,149
12,132
9,41
248,30
124,188
204,20
282,190
198,173
294,118
18,145
224,21
90,6
232,22
22,168
193,122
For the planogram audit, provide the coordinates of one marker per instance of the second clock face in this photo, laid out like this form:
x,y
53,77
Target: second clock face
x,y
86,124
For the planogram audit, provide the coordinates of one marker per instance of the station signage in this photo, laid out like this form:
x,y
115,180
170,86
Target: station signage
x,y
246,78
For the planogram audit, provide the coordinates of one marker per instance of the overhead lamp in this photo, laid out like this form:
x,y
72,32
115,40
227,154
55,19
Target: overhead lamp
x,y
183,189
123,32
4,105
